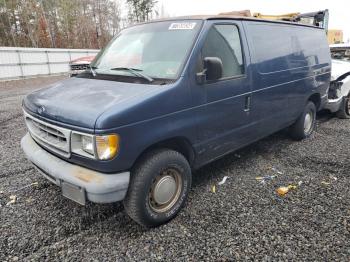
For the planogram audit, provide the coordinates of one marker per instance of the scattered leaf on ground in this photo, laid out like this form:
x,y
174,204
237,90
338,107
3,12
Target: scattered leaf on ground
x,y
283,190
276,170
13,199
223,181
263,179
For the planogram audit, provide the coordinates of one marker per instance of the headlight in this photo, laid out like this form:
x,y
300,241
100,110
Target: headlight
x,y
87,144
83,144
107,146
101,147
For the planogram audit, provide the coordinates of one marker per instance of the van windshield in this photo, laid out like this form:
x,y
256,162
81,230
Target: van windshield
x,y
154,50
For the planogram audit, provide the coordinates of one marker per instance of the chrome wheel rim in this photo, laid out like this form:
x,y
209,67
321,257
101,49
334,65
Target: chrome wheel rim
x,y
165,190
308,122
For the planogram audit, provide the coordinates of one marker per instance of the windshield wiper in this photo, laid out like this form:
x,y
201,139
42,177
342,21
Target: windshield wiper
x,y
92,70
134,71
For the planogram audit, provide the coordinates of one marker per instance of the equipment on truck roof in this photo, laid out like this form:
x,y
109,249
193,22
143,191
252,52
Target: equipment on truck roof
x,y
319,18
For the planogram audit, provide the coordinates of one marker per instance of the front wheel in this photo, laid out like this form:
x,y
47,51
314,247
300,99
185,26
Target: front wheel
x,y
305,124
344,111
158,188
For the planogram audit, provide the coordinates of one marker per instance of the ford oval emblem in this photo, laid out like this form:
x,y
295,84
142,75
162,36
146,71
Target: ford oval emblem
x,y
41,109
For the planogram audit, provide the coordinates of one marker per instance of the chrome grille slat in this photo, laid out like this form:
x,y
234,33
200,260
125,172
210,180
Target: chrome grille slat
x,y
50,136
79,67
48,129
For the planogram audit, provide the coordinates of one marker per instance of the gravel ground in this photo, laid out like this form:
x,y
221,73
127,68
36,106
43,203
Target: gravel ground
x,y
243,220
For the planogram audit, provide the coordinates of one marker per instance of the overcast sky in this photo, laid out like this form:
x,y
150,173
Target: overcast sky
x,y
338,9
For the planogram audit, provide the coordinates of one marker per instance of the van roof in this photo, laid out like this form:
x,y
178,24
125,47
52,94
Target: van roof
x,y
229,17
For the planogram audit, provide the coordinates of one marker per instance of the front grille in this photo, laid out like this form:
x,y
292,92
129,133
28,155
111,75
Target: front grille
x,y
50,136
79,67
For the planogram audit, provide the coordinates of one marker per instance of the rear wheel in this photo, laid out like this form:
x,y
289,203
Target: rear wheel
x,y
344,111
305,124
158,188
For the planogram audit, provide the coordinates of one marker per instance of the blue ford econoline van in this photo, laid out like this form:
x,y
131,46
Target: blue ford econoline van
x,y
166,97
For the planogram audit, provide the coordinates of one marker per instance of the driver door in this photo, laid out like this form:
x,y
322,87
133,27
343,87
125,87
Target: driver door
x,y
224,117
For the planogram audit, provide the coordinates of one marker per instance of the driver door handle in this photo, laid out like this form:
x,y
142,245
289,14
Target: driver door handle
x,y
247,104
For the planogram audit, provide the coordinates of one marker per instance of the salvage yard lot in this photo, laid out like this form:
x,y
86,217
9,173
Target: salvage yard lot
x,y
243,219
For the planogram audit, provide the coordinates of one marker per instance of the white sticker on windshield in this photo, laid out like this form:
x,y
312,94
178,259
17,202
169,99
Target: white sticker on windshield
x,y
182,26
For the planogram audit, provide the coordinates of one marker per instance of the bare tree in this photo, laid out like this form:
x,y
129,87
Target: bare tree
x,y
59,23
140,10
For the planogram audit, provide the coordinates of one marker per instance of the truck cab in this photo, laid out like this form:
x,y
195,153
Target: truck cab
x,y
166,97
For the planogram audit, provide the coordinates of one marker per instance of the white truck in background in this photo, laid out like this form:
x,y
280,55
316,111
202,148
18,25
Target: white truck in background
x,y
339,90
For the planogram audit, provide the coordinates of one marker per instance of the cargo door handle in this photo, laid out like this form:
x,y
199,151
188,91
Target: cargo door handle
x,y
247,103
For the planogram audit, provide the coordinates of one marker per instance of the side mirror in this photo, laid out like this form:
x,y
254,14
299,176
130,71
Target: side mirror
x,y
212,70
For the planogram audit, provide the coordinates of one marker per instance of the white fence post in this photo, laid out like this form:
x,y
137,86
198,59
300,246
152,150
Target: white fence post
x,y
70,55
20,62
48,61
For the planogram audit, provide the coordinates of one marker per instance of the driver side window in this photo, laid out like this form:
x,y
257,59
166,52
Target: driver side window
x,y
223,41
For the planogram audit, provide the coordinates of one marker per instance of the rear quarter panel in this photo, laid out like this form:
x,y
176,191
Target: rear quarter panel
x,y
291,62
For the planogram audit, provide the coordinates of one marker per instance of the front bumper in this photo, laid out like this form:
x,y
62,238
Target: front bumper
x,y
77,183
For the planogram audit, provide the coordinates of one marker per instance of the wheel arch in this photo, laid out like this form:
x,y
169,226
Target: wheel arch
x,y
316,99
179,144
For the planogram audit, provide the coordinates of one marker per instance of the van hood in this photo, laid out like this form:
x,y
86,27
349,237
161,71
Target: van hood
x,y
80,101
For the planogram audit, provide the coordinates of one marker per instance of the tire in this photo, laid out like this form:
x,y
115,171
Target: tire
x,y
158,188
344,111
302,129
